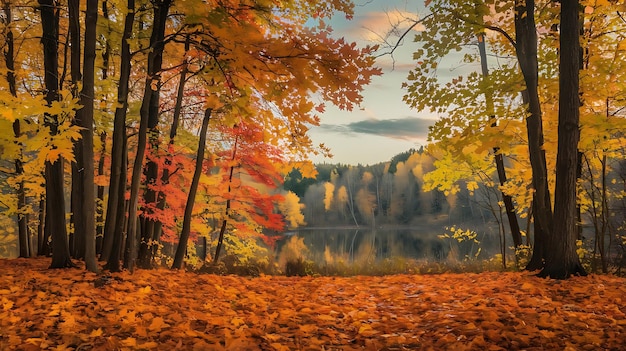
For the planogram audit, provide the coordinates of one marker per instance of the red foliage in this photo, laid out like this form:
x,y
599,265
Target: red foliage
x,y
257,161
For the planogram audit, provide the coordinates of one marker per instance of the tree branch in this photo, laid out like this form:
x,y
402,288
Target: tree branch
x,y
508,37
403,35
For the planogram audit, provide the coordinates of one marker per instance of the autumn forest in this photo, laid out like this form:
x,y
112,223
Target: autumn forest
x,y
151,147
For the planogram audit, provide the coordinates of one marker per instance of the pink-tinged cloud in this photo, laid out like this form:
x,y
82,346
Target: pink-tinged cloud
x,y
383,26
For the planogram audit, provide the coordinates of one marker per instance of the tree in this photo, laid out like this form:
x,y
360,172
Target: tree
x,y
86,122
83,238
561,258
601,122
152,234
55,202
77,234
498,18
468,120
269,61
291,209
526,50
149,120
114,223
181,250
250,170
9,59
498,157
150,112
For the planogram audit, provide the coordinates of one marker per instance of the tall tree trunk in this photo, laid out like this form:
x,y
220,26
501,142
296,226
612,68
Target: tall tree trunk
x,y
9,59
220,238
106,52
498,158
43,235
148,252
605,217
150,111
193,189
131,233
117,180
562,259
118,230
77,237
100,197
526,50
55,200
85,120
22,217
579,213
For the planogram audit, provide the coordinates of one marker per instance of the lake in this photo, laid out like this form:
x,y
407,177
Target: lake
x,y
359,244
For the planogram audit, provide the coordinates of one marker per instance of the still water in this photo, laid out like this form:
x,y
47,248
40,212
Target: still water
x,y
350,245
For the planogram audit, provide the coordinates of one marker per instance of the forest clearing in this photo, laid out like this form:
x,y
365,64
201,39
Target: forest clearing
x,y
74,309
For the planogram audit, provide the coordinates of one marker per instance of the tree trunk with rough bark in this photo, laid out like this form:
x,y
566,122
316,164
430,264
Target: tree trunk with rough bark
x,y
150,112
55,200
100,197
77,236
561,258
516,235
9,59
113,224
184,235
86,122
147,252
526,51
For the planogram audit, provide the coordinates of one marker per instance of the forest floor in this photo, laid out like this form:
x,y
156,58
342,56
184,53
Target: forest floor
x,y
72,309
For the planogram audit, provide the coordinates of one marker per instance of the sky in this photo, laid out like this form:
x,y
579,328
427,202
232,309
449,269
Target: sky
x,y
383,126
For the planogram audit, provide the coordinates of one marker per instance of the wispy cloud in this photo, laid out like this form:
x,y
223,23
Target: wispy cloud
x,y
383,26
407,128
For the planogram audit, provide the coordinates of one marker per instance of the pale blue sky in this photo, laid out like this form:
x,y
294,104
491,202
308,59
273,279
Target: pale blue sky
x,y
384,125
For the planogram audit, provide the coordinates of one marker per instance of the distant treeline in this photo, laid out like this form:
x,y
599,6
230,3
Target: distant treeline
x,y
386,193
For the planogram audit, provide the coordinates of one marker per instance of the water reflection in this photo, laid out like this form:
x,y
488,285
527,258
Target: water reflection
x,y
350,245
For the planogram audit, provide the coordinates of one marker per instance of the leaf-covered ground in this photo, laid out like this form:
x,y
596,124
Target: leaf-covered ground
x,y
170,310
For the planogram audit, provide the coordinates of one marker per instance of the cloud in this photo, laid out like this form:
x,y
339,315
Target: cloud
x,y
407,128
394,64
384,26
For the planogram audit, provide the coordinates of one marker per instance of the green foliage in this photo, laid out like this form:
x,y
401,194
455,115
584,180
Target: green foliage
x,y
402,157
296,183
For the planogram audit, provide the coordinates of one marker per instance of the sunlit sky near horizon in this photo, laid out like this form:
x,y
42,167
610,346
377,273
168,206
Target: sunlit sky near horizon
x,y
383,125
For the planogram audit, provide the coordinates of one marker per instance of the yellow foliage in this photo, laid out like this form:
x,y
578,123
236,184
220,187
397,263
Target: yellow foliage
x,y
367,178
341,196
291,208
293,250
329,189
245,249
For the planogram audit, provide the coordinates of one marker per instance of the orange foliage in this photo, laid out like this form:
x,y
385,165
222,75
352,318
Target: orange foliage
x,y
173,310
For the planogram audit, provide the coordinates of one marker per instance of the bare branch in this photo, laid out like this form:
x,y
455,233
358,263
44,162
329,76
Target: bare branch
x,y
403,35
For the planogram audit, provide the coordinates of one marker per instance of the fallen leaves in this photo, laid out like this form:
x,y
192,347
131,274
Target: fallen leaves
x,y
171,310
